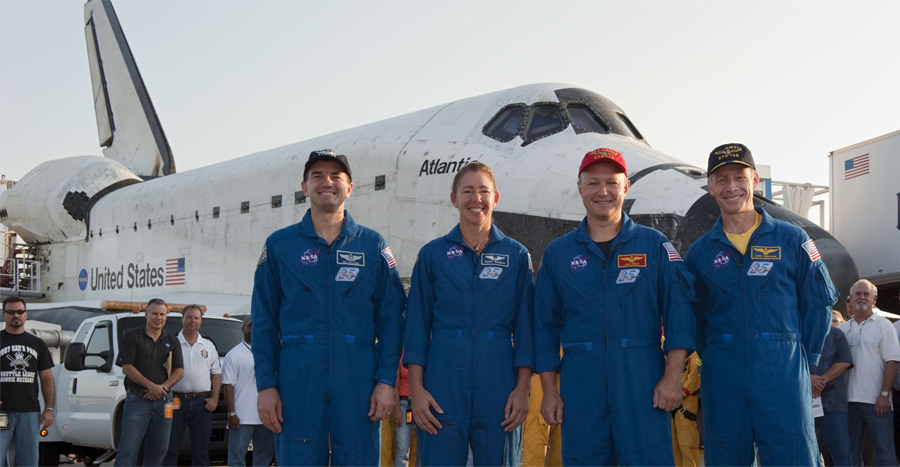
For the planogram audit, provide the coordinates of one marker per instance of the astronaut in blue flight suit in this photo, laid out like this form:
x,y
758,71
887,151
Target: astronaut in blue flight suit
x,y
468,333
763,309
604,292
327,328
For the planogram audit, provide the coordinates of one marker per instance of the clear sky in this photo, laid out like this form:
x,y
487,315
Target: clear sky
x,y
792,80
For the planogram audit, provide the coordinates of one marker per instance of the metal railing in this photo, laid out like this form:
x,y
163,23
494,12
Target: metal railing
x,y
20,276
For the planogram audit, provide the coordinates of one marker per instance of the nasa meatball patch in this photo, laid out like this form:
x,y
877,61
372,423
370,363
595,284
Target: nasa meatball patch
x,y
455,251
579,262
722,260
310,257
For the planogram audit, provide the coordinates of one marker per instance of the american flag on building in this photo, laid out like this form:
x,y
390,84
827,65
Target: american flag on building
x,y
856,167
175,271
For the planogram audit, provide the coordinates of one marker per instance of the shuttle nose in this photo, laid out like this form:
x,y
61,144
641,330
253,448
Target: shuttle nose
x,y
841,267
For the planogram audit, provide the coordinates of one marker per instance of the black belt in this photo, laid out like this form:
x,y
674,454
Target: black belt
x,y
687,414
192,395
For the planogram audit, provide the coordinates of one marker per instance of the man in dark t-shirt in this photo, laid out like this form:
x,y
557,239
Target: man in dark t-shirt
x,y
152,362
24,360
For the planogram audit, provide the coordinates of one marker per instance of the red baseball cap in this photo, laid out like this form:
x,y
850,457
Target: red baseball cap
x,y
604,155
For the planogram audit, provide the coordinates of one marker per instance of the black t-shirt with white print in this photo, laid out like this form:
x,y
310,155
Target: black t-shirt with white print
x,y
22,357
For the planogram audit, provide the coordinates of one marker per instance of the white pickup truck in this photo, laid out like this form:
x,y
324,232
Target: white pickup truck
x,y
90,388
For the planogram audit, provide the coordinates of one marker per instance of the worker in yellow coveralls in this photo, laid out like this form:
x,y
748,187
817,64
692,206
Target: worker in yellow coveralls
x,y
538,434
685,437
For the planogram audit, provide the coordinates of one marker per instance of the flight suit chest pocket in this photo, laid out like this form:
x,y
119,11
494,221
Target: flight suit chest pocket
x,y
307,271
447,274
580,285
722,270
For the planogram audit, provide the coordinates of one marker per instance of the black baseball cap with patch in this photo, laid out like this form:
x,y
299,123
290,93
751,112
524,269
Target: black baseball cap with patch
x,y
327,155
731,153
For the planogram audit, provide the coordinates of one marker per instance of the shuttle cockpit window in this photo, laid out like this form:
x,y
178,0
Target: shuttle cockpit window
x,y
506,124
633,129
584,120
545,120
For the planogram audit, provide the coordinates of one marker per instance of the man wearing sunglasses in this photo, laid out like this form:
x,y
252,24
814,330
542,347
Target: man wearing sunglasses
x,y
24,360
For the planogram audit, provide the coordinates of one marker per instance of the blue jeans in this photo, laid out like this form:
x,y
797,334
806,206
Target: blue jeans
x,y
402,437
193,413
834,430
143,420
881,430
263,445
24,428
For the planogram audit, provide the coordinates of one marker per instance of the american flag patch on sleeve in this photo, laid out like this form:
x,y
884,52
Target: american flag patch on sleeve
x,y
530,265
389,257
673,253
811,250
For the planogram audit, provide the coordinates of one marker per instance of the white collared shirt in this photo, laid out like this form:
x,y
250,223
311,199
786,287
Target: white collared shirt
x,y
200,361
238,371
872,343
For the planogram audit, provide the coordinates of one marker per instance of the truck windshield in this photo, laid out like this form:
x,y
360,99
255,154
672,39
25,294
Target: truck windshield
x,y
224,333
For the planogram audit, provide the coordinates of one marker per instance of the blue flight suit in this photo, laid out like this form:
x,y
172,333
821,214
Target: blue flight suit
x,y
327,327
607,312
462,310
761,320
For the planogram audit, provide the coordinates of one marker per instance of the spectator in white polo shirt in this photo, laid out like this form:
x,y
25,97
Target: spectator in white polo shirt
x,y
876,354
198,391
240,398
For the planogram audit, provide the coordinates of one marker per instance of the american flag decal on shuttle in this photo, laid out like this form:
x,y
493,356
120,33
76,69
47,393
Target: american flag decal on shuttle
x,y
175,271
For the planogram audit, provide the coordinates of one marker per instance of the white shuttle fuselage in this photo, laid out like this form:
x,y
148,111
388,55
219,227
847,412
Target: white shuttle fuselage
x,y
103,230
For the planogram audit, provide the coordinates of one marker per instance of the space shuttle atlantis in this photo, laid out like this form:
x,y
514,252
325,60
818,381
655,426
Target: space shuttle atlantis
x,y
127,226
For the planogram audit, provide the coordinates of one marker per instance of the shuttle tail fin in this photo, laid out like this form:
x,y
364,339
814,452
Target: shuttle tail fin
x,y
127,124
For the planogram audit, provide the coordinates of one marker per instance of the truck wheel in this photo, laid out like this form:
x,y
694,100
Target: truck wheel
x,y
48,454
